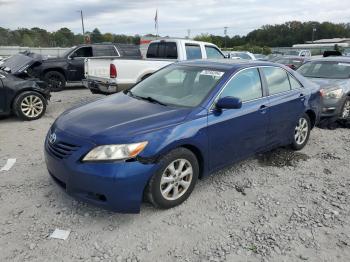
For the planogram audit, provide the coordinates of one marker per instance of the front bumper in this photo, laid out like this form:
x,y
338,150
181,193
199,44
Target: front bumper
x,y
114,186
331,107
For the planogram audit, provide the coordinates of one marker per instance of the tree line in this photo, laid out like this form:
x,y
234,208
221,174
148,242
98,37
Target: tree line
x,y
281,35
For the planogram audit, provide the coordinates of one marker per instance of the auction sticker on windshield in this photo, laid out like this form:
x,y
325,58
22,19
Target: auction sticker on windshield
x,y
213,73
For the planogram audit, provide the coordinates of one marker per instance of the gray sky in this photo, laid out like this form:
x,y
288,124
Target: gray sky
x,y
175,16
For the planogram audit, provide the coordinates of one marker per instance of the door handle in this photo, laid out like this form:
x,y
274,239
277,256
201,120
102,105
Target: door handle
x,y
302,97
263,109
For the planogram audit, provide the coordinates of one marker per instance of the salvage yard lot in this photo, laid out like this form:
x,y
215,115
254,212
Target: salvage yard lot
x,y
279,206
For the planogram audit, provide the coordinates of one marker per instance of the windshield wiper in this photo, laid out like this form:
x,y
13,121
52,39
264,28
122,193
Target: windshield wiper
x,y
151,99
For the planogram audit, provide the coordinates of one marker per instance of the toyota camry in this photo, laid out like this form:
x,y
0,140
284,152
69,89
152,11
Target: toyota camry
x,y
181,124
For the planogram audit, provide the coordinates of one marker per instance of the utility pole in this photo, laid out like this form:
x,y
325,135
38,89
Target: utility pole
x,y
82,21
188,33
225,33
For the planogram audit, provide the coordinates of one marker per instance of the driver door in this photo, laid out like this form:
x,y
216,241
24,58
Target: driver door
x,y
235,134
76,63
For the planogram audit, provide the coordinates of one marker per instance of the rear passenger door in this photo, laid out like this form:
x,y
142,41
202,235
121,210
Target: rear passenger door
x,y
287,103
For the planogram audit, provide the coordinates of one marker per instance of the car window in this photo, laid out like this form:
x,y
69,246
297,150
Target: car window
x,y
152,50
246,85
294,83
193,51
84,52
165,50
105,50
277,80
213,52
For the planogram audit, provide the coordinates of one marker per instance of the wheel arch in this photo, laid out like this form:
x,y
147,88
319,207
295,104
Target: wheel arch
x,y
53,69
199,155
312,116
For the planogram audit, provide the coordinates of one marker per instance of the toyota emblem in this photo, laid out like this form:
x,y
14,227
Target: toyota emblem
x,y
52,138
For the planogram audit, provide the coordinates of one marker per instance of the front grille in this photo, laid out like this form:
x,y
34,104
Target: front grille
x,y
61,149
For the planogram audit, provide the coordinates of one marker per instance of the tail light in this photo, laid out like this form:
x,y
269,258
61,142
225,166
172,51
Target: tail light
x,y
112,71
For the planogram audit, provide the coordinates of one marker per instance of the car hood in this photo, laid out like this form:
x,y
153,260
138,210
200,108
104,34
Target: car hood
x,y
118,115
18,63
326,83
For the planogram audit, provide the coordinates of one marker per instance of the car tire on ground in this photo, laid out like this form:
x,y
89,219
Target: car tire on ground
x,y
29,105
175,179
55,80
301,132
345,112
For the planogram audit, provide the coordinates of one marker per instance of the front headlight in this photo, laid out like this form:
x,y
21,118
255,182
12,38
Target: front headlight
x,y
336,93
115,152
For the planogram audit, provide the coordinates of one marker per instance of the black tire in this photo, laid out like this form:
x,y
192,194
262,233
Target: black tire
x,y
55,80
22,111
153,190
344,117
300,144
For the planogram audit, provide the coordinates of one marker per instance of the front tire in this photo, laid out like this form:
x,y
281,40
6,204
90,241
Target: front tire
x,y
29,105
301,132
55,80
175,179
345,111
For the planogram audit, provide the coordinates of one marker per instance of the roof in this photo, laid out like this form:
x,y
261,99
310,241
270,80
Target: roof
x,y
330,40
225,64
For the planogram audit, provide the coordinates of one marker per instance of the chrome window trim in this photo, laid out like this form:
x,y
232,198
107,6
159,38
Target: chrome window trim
x,y
212,106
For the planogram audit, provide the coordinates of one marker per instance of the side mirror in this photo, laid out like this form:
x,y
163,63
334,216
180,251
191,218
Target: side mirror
x,y
227,56
73,55
229,102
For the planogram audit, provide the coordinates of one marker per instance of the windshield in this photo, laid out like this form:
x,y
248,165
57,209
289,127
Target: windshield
x,y
178,85
326,69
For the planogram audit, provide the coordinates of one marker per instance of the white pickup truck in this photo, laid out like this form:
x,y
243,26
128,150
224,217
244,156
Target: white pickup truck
x,y
108,75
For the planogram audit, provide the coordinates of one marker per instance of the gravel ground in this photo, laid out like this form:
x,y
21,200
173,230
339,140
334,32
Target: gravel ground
x,y
279,206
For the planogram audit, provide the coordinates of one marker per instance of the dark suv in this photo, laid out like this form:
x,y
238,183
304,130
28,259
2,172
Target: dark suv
x,y
70,66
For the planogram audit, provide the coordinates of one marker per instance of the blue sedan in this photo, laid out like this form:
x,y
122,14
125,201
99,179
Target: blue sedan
x,y
182,123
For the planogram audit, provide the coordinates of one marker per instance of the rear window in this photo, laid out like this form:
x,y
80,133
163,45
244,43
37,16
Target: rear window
x,y
164,50
105,50
326,69
193,51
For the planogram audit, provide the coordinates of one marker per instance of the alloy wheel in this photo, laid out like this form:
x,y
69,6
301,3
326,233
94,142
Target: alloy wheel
x,y
32,106
301,131
346,110
176,179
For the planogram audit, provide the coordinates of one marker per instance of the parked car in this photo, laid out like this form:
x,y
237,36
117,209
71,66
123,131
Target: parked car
x,y
70,66
293,62
110,75
260,57
306,53
333,74
182,123
20,93
242,55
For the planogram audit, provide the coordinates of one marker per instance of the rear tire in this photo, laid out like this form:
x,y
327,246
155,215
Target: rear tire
x,y
301,132
29,105
55,80
175,179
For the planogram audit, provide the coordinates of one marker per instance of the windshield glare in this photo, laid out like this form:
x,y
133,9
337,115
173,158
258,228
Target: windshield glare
x,y
179,85
326,69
